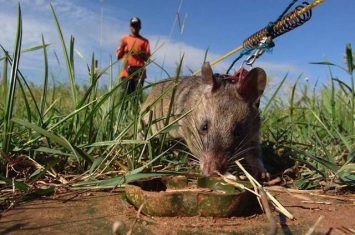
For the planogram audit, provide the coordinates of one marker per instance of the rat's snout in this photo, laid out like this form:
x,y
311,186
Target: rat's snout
x,y
211,163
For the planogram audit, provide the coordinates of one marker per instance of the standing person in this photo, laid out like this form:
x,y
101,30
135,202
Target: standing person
x,y
134,50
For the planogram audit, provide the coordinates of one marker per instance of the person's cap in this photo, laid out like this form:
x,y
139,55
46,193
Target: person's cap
x,y
135,20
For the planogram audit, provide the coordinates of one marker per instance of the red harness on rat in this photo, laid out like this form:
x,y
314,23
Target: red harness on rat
x,y
236,77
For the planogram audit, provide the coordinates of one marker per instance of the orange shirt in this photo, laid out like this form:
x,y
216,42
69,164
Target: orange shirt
x,y
135,52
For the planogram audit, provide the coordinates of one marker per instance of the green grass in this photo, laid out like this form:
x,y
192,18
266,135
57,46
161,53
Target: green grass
x,y
82,137
316,129
75,136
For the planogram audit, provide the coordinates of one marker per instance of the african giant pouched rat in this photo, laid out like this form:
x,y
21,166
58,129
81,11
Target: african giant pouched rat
x,y
224,122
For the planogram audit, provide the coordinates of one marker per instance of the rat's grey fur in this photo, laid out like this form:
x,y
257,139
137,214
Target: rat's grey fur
x,y
224,122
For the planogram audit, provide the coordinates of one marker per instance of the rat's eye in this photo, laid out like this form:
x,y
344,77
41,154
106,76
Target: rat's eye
x,y
204,127
238,131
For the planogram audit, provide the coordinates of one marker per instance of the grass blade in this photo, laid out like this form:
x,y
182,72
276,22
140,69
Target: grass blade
x,y
68,58
10,99
59,140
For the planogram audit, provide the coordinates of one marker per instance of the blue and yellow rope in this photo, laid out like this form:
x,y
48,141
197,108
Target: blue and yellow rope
x,y
281,22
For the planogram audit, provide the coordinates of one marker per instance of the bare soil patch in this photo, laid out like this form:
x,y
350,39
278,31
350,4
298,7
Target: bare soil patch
x,y
94,212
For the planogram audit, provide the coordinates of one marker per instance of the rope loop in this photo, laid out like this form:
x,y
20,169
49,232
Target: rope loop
x,y
263,39
283,24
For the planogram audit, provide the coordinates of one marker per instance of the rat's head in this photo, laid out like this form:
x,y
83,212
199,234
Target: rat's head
x,y
225,121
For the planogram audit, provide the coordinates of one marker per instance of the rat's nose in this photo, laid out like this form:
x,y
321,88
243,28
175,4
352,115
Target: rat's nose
x,y
210,165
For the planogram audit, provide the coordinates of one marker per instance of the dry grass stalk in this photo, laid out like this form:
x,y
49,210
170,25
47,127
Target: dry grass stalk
x,y
317,202
137,217
313,228
241,186
266,207
276,203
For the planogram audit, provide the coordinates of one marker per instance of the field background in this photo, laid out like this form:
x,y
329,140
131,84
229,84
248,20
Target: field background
x,y
65,136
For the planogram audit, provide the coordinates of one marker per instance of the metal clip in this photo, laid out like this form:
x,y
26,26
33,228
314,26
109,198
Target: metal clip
x,y
251,59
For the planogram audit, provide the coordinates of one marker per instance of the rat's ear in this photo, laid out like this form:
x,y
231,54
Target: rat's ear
x,y
209,81
252,86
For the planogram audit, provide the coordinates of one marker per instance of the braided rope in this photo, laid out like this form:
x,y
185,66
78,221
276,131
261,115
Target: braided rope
x,y
281,22
297,14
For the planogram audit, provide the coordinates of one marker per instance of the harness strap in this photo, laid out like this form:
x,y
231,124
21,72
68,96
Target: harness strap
x,y
236,77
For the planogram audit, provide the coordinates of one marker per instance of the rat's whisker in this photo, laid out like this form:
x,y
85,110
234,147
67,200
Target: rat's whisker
x,y
220,123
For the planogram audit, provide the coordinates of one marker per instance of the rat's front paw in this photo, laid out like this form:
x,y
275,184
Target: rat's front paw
x,y
261,174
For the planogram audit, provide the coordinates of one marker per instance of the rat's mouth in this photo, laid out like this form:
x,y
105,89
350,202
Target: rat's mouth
x,y
211,164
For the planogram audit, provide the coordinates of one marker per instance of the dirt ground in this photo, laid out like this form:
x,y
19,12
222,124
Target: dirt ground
x,y
94,212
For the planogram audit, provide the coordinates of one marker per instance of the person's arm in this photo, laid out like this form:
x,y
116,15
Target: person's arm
x,y
146,53
121,49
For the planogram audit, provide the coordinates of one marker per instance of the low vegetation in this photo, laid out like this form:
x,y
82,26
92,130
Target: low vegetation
x,y
70,136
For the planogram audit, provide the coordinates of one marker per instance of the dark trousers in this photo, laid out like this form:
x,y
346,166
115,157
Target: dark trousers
x,y
129,86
